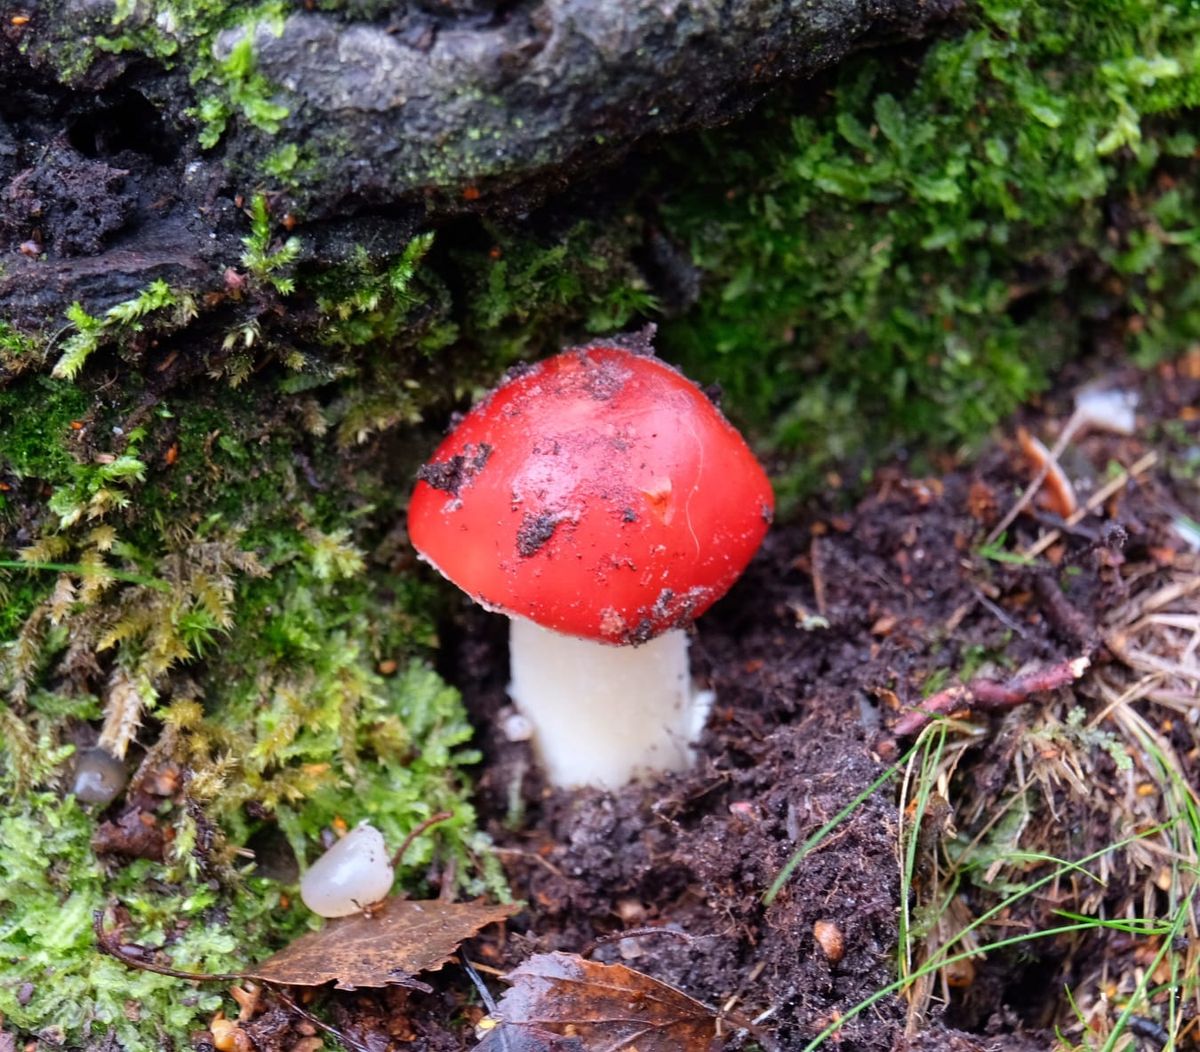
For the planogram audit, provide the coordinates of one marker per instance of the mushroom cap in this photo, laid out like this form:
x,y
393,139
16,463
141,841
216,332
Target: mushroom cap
x,y
598,493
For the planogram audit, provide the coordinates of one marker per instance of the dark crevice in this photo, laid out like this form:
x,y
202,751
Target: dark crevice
x,y
127,121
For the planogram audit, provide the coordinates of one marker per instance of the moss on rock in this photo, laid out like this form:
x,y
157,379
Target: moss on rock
x,y
205,571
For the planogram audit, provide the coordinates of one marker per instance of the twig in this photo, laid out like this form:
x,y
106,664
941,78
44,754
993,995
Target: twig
x,y
817,573
633,933
1001,615
1068,432
755,972
1093,502
1062,613
532,856
106,942
432,820
989,695
447,884
485,995
332,1031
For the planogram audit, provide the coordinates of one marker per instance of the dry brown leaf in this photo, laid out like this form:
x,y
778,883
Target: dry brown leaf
x,y
386,948
597,1008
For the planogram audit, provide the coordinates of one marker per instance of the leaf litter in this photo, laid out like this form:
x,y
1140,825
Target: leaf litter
x,y
388,946
598,1007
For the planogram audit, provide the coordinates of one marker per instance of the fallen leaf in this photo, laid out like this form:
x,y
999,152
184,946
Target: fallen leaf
x,y
386,948
598,1008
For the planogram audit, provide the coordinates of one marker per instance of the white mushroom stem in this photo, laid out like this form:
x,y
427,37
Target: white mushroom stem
x,y
603,715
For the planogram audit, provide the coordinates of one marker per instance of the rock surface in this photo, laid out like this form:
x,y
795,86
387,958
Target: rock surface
x,y
423,111
544,86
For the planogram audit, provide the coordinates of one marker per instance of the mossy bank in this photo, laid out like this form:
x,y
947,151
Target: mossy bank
x,y
203,493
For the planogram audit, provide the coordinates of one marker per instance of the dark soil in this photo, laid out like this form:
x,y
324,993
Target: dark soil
x,y
799,731
842,621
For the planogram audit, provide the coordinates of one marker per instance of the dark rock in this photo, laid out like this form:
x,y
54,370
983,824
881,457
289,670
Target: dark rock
x,y
415,112
547,88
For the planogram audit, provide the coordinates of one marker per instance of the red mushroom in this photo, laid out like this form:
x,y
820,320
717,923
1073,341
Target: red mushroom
x,y
602,502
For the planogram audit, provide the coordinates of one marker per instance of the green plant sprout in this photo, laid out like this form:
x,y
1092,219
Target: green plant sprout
x,y
262,261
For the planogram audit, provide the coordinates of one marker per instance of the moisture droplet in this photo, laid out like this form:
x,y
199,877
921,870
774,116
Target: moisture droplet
x,y
99,777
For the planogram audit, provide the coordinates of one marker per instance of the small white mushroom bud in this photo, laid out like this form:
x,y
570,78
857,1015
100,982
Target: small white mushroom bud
x,y
353,874
516,727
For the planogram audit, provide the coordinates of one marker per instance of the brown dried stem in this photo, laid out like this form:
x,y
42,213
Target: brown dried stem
x,y
989,695
432,820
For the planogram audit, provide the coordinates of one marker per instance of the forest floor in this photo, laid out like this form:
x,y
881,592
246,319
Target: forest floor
x,y
845,621
947,796
1017,871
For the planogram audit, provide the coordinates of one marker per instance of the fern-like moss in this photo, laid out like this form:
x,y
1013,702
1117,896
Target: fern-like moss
x,y
156,305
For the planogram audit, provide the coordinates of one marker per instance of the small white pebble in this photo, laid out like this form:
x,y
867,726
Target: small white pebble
x,y
630,949
516,728
352,874
1106,410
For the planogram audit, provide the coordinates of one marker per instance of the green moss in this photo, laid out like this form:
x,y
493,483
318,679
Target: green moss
x,y
370,301
50,886
17,350
899,267
318,730
1158,260
240,89
37,444
524,295
218,573
286,164
156,307
264,262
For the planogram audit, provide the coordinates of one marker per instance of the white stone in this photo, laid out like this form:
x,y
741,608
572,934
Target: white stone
x,y
1106,410
516,728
